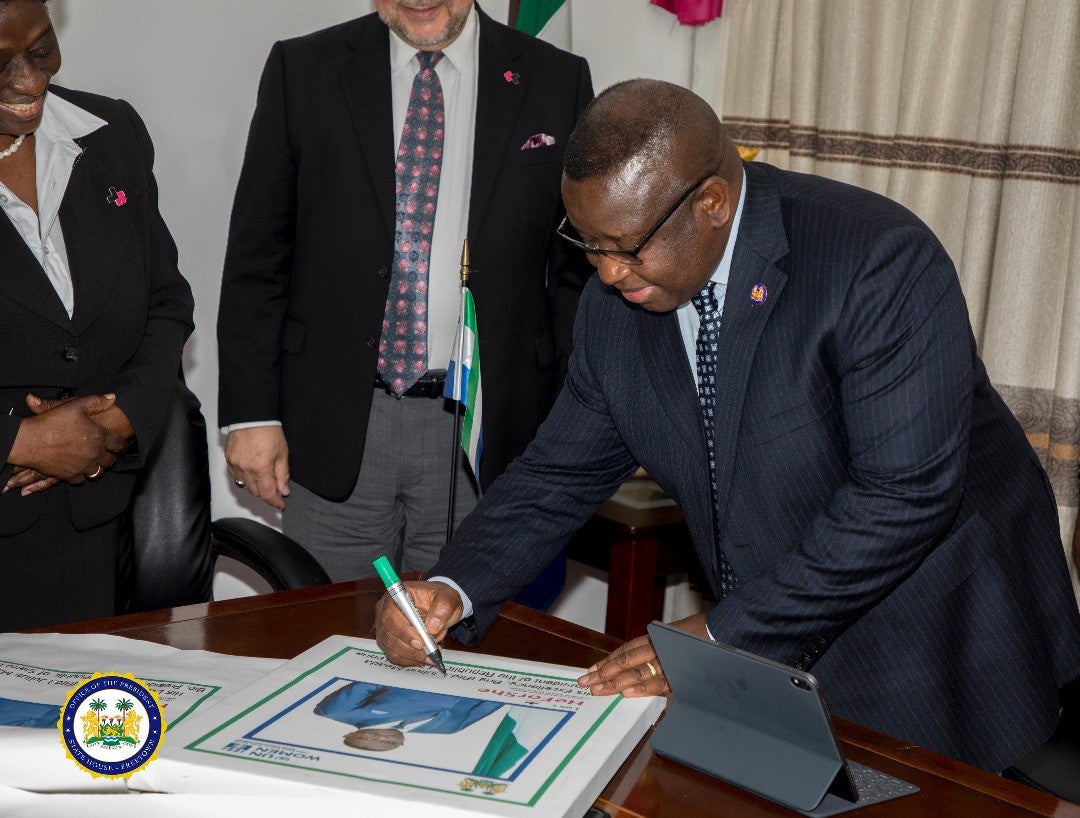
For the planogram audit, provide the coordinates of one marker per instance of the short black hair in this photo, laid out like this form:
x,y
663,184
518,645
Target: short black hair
x,y
634,118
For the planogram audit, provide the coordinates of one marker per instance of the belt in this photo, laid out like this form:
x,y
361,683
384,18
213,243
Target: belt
x,y
430,385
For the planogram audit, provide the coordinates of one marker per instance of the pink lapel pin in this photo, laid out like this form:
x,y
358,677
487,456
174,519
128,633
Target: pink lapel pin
x,y
511,76
538,140
759,293
117,197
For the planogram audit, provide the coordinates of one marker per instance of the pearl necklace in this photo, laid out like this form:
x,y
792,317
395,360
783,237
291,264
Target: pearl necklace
x,y
14,146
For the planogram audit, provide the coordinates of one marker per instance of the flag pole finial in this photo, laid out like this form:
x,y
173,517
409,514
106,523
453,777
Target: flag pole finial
x,y
465,263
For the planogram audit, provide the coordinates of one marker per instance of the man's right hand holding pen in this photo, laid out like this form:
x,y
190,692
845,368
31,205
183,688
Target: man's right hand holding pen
x,y
632,669
438,603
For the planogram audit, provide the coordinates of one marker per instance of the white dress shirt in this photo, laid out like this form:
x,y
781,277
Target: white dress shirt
x,y
61,124
689,320
457,72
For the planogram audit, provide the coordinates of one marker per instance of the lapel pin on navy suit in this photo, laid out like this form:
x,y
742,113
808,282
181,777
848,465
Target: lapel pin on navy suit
x,y
759,293
117,197
512,76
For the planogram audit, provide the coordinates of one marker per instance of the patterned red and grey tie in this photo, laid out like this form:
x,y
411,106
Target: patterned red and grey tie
x,y
403,346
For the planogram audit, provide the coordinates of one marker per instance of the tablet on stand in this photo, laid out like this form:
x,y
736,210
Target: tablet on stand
x,y
761,726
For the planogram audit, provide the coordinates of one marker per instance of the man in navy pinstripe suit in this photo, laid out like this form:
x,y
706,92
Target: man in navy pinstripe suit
x,y
887,523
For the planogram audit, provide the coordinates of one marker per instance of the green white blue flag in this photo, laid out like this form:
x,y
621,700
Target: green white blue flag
x,y
466,388
547,19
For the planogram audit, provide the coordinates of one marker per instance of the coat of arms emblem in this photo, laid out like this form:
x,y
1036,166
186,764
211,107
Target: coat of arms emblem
x,y
112,725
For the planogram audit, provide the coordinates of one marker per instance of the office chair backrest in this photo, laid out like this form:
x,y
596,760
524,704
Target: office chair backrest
x,y
167,558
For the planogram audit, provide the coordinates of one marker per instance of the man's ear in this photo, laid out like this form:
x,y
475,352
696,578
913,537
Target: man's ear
x,y
718,201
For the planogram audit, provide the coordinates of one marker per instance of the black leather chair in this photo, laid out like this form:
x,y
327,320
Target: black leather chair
x,y
1055,766
169,544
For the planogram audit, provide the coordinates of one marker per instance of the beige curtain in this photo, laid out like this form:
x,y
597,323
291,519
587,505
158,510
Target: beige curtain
x,y
968,113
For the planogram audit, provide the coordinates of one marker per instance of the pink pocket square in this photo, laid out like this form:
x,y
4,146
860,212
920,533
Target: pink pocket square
x,y
538,140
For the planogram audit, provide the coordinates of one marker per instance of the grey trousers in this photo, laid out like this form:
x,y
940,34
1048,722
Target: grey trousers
x,y
399,504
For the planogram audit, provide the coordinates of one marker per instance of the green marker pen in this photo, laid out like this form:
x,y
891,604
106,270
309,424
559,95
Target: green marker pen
x,y
403,599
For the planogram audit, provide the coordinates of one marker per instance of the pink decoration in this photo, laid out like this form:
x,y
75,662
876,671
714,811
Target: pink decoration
x,y
538,140
692,12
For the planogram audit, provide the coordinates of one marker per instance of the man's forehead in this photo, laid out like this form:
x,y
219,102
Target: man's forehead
x,y
635,172
632,173
618,201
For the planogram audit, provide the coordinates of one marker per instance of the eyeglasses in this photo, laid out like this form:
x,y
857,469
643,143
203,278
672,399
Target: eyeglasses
x,y
627,256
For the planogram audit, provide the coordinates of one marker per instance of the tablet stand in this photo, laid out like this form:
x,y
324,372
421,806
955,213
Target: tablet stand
x,y
761,726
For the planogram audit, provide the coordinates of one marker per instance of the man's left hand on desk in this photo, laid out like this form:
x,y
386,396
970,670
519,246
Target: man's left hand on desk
x,y
634,669
438,604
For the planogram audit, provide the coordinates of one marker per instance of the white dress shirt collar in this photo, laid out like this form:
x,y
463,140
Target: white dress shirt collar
x,y
56,152
459,53
723,271
689,321
63,122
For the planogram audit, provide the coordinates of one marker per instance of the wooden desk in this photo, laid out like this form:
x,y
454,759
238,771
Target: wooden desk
x,y
287,623
644,532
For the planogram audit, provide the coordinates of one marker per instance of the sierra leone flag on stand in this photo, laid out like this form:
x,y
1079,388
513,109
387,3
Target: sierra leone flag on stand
x,y
466,389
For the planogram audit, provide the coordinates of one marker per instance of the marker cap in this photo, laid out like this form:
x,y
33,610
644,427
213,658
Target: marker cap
x,y
386,571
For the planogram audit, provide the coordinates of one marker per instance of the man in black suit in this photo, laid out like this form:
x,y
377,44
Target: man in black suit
x,y
358,458
871,509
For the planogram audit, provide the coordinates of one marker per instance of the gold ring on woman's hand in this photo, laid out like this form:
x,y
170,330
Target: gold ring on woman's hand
x,y
652,670
96,474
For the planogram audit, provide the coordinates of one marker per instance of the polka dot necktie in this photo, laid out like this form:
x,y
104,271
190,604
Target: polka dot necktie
x,y
403,346
709,310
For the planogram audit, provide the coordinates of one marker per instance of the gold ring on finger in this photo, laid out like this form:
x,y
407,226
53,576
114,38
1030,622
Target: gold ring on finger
x,y
652,670
95,475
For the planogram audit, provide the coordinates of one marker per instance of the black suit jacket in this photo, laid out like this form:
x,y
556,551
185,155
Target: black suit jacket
x,y
132,309
311,243
890,525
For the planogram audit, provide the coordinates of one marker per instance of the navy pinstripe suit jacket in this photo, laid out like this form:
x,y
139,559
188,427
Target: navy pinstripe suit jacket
x,y
890,524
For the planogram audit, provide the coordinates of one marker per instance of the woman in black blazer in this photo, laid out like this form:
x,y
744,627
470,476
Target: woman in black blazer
x,y
93,318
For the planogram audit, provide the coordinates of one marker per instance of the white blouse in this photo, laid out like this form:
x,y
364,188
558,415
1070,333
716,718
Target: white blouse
x,y
61,124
